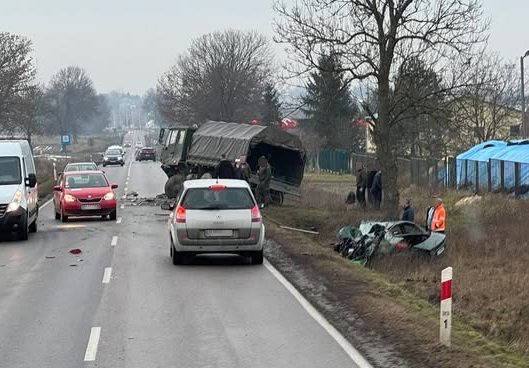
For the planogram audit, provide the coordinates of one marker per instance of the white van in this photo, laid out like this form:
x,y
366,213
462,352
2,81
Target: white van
x,y
18,189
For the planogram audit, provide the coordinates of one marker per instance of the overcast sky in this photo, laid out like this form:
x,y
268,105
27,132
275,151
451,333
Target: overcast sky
x,y
126,44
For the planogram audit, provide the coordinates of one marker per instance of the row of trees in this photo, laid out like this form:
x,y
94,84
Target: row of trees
x,y
69,103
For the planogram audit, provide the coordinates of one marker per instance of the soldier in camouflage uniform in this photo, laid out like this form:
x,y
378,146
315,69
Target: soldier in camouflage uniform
x,y
264,173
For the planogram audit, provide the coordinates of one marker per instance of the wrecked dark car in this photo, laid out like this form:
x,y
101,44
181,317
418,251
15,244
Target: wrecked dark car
x,y
361,244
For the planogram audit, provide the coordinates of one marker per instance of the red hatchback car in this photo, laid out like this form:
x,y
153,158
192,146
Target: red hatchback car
x,y
84,193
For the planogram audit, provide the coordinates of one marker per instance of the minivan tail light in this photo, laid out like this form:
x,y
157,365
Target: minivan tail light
x,y
256,214
180,217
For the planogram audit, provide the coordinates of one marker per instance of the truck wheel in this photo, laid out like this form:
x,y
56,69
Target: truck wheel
x,y
174,185
277,197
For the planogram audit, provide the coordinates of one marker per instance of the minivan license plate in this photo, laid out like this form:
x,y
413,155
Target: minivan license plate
x,y
87,207
219,233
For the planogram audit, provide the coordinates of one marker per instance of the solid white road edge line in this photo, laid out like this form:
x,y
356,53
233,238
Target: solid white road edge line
x,y
106,275
354,354
114,241
91,348
118,221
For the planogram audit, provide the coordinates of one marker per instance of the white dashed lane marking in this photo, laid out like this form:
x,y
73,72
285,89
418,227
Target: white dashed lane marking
x,y
107,274
91,348
114,241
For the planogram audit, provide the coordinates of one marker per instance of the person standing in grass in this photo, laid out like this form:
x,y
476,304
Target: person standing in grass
x,y
376,190
361,184
264,174
407,213
436,218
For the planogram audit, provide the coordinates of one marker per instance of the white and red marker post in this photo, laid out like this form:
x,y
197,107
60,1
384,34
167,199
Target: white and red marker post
x,y
446,306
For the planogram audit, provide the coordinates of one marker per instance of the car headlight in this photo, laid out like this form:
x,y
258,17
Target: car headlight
x,y
69,198
109,196
15,202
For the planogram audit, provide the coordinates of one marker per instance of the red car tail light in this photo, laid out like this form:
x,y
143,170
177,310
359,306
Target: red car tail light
x,y
180,217
401,246
256,214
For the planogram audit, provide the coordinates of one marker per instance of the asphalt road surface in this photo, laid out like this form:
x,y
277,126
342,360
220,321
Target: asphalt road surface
x,y
121,302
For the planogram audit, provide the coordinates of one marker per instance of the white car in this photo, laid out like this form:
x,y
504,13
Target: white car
x,y
216,216
117,147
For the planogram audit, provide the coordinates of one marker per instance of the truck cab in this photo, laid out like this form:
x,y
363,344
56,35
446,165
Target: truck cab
x,y
173,146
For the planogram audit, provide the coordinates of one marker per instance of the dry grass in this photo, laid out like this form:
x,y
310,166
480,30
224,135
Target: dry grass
x,y
488,249
84,145
45,178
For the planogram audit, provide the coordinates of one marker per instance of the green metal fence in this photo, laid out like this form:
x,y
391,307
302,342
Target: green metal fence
x,y
418,171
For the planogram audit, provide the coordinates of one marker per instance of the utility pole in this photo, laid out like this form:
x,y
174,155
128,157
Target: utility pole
x,y
524,124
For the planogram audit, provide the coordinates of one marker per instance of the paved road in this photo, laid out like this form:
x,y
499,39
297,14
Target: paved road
x,y
55,310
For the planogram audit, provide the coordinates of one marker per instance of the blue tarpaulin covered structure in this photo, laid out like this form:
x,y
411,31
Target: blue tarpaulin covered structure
x,y
494,165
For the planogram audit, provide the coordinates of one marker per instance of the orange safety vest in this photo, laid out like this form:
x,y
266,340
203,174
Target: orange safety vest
x,y
439,218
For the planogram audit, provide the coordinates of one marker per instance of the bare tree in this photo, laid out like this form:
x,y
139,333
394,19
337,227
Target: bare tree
x,y
28,107
220,77
488,107
313,144
374,37
70,100
17,76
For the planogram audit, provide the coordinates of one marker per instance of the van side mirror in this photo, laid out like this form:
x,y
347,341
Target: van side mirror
x,y
114,186
31,180
57,188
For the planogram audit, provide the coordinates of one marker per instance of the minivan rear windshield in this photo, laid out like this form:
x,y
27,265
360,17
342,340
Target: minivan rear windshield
x,y
113,152
10,172
226,199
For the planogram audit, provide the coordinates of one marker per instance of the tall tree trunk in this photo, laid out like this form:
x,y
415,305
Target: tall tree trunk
x,y
386,150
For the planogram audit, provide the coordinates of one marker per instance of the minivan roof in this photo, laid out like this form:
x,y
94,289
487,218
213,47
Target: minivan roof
x,y
12,148
206,183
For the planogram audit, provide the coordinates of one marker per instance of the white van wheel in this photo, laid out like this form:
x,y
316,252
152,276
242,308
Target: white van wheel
x,y
23,231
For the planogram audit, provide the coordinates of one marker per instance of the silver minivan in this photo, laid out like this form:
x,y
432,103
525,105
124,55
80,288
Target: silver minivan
x,y
18,189
216,216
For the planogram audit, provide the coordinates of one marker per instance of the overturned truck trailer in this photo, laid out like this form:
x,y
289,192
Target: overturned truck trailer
x,y
194,152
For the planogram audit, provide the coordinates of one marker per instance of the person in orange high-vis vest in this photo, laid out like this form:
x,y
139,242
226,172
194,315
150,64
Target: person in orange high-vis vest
x,y
438,223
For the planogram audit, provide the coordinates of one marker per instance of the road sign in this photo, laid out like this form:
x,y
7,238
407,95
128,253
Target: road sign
x,y
446,306
66,139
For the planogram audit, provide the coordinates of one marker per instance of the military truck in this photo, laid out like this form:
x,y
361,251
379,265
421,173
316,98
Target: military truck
x,y
193,152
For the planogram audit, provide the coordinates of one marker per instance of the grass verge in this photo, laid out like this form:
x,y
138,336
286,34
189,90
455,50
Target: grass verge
x,y
403,319
488,249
